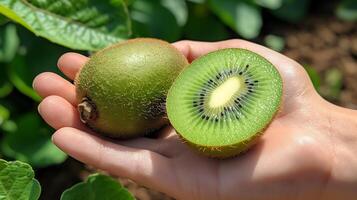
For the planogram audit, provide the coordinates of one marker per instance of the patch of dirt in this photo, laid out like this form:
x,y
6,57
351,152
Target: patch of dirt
x,y
325,43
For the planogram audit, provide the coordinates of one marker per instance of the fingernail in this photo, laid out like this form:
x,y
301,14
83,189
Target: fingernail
x,y
33,83
39,109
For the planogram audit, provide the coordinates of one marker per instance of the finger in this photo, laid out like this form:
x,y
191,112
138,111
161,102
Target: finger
x,y
71,63
169,147
287,67
194,49
59,113
145,167
48,83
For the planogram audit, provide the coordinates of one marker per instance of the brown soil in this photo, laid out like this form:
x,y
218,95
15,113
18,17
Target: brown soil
x,y
325,44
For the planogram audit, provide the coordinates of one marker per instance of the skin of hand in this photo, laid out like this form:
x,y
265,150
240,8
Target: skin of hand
x,y
309,151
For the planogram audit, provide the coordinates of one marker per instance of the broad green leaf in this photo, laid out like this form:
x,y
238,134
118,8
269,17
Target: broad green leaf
x,y
38,56
178,8
197,1
243,17
333,80
17,181
9,126
314,76
271,4
97,187
31,142
9,42
151,19
4,114
5,85
77,24
347,10
20,78
292,10
274,42
201,22
3,19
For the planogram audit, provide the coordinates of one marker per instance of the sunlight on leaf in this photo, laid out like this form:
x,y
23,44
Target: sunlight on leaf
x,y
78,24
243,17
97,187
17,181
347,10
31,142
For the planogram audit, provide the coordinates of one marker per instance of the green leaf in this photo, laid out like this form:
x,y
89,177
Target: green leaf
x,y
292,10
3,20
31,142
333,81
9,126
27,65
9,42
347,10
314,76
5,85
4,114
197,1
78,24
152,19
201,22
178,8
97,187
241,16
17,181
271,4
274,42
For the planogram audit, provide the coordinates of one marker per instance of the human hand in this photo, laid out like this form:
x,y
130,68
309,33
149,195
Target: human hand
x,y
308,152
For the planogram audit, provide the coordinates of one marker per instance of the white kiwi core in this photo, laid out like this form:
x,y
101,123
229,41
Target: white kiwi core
x,y
224,93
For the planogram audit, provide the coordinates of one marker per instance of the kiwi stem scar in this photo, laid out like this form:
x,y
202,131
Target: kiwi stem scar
x,y
87,110
224,93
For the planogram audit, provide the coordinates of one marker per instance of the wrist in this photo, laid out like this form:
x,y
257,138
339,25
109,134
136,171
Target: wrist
x,y
342,129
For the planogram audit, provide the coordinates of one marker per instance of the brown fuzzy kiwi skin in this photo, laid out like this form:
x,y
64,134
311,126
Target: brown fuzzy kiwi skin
x,y
141,116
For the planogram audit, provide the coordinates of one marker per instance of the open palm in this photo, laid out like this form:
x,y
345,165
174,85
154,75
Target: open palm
x,y
294,159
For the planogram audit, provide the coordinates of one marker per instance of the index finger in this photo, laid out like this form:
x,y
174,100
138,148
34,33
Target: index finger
x,y
195,49
71,63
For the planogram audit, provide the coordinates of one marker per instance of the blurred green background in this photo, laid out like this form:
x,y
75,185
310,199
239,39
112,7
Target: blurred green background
x,y
321,35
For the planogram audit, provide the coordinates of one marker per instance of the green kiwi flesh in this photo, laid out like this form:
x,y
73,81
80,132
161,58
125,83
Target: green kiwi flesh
x,y
122,89
224,100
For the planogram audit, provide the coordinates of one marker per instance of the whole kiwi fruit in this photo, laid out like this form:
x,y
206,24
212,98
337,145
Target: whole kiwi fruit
x,y
224,100
122,89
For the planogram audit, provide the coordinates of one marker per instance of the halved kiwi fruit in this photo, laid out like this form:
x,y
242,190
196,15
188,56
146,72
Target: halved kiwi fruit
x,y
224,100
